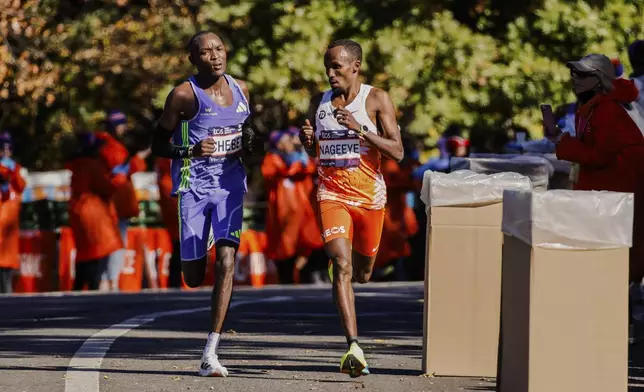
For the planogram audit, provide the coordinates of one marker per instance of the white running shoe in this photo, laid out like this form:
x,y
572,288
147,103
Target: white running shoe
x,y
210,367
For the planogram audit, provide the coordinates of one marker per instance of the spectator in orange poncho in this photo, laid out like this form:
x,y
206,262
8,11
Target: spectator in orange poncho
x,y
11,186
251,265
310,240
169,214
283,169
117,158
400,221
92,216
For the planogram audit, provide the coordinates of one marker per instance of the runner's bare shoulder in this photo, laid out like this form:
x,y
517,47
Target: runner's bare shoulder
x,y
377,99
244,88
182,100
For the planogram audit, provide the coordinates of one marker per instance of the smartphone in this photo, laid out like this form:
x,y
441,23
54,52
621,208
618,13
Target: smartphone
x,y
549,124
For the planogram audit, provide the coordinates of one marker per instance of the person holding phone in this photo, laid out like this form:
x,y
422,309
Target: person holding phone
x,y
607,146
607,151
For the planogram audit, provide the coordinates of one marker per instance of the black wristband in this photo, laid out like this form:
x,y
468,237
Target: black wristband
x,y
162,147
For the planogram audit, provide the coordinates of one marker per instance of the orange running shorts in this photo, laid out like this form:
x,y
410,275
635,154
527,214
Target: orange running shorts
x,y
363,227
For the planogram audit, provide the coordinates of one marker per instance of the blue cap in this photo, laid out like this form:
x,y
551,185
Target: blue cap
x,y
115,118
274,138
5,139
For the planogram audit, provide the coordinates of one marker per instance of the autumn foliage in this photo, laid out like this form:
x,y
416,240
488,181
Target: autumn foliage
x,y
473,62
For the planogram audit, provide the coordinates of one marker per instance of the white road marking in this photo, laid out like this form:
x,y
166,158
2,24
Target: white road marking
x,y
369,294
84,368
274,315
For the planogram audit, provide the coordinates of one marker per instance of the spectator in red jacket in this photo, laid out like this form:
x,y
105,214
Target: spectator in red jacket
x,y
608,148
608,142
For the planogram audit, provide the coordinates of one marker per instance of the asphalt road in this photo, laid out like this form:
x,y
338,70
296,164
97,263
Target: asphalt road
x,y
277,339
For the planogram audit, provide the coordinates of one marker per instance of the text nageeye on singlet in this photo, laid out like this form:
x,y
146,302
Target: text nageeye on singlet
x,y
228,141
339,148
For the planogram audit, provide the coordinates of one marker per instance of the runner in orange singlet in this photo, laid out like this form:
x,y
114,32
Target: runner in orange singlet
x,y
354,124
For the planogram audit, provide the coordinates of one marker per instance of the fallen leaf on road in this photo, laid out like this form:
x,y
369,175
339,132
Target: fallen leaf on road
x,y
232,332
176,378
427,375
105,377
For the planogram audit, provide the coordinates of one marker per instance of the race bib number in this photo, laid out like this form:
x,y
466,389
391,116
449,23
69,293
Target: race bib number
x,y
339,148
228,142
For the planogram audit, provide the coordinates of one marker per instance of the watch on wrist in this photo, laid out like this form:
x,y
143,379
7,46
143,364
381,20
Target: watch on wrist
x,y
362,130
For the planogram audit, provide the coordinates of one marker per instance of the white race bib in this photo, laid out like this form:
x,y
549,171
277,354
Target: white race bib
x,y
228,142
339,148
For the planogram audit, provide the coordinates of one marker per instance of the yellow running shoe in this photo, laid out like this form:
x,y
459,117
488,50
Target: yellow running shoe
x,y
331,270
353,362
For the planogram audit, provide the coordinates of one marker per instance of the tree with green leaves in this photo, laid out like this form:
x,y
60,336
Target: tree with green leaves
x,y
470,62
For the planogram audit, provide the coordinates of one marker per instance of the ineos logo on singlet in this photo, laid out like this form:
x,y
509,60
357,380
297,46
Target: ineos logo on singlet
x,y
228,141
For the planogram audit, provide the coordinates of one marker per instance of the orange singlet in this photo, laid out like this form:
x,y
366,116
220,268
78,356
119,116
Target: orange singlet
x,y
352,192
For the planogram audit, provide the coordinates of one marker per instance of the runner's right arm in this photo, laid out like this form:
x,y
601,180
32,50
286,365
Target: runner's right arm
x,y
180,102
307,133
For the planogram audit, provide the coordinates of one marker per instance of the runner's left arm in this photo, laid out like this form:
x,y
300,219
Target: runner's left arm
x,y
251,142
390,143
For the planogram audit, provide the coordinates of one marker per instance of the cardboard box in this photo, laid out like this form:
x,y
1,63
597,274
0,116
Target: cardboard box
x,y
565,291
463,291
463,271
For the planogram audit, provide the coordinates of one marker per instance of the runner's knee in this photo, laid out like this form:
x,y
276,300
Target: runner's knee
x,y
363,274
226,260
342,265
194,272
192,280
362,267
